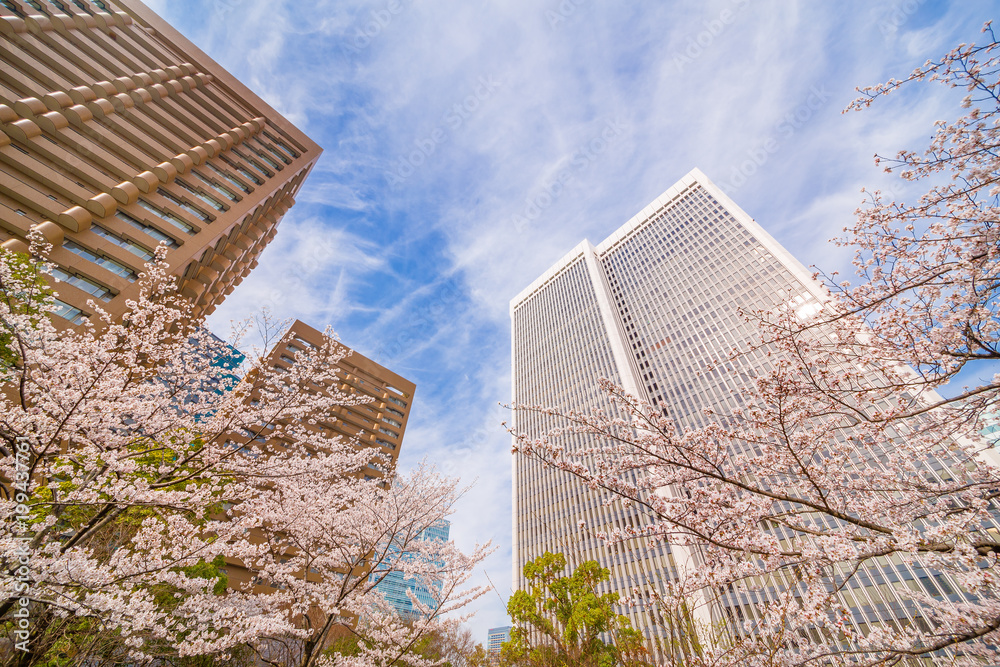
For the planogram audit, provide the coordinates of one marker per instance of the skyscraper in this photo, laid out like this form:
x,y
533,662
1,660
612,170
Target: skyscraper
x,y
650,308
495,638
377,422
117,134
396,587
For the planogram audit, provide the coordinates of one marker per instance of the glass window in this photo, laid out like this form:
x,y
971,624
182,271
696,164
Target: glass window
x,y
211,201
253,163
132,247
180,203
242,186
106,263
146,229
167,217
280,144
86,284
243,170
68,312
227,192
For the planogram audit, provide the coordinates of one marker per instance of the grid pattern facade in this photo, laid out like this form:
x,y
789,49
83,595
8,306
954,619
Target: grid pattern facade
x,y
396,587
118,135
380,423
495,637
676,275
561,346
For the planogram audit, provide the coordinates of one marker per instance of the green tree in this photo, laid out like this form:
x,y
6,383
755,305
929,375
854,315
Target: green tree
x,y
25,294
560,620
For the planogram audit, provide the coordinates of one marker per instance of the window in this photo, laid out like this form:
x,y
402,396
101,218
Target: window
x,y
106,263
167,217
392,421
180,203
253,163
395,412
385,443
68,312
211,201
278,151
86,284
242,186
279,143
388,432
12,7
146,229
133,248
393,399
227,192
263,156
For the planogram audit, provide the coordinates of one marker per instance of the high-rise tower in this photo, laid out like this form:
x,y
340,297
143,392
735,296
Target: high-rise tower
x,y
117,134
650,308
376,421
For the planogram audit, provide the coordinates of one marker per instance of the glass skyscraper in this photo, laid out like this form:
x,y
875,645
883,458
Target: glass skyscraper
x,y
650,308
395,587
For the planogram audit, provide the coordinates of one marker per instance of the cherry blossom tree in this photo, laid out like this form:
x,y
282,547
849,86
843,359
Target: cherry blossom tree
x,y
848,514
140,475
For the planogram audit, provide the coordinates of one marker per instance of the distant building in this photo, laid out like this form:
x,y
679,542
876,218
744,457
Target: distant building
x,y
378,424
495,638
118,134
992,429
224,357
396,588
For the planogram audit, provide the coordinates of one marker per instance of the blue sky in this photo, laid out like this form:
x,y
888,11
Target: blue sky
x,y
446,123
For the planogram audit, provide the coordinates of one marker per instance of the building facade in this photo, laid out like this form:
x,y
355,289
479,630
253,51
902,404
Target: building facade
x,y
396,588
495,637
118,135
378,423
650,308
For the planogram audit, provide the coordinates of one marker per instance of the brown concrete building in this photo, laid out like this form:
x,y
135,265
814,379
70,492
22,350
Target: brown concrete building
x,y
117,134
378,424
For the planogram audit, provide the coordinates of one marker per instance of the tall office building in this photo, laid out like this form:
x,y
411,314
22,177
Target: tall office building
x,y
118,134
396,588
495,637
650,308
378,421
